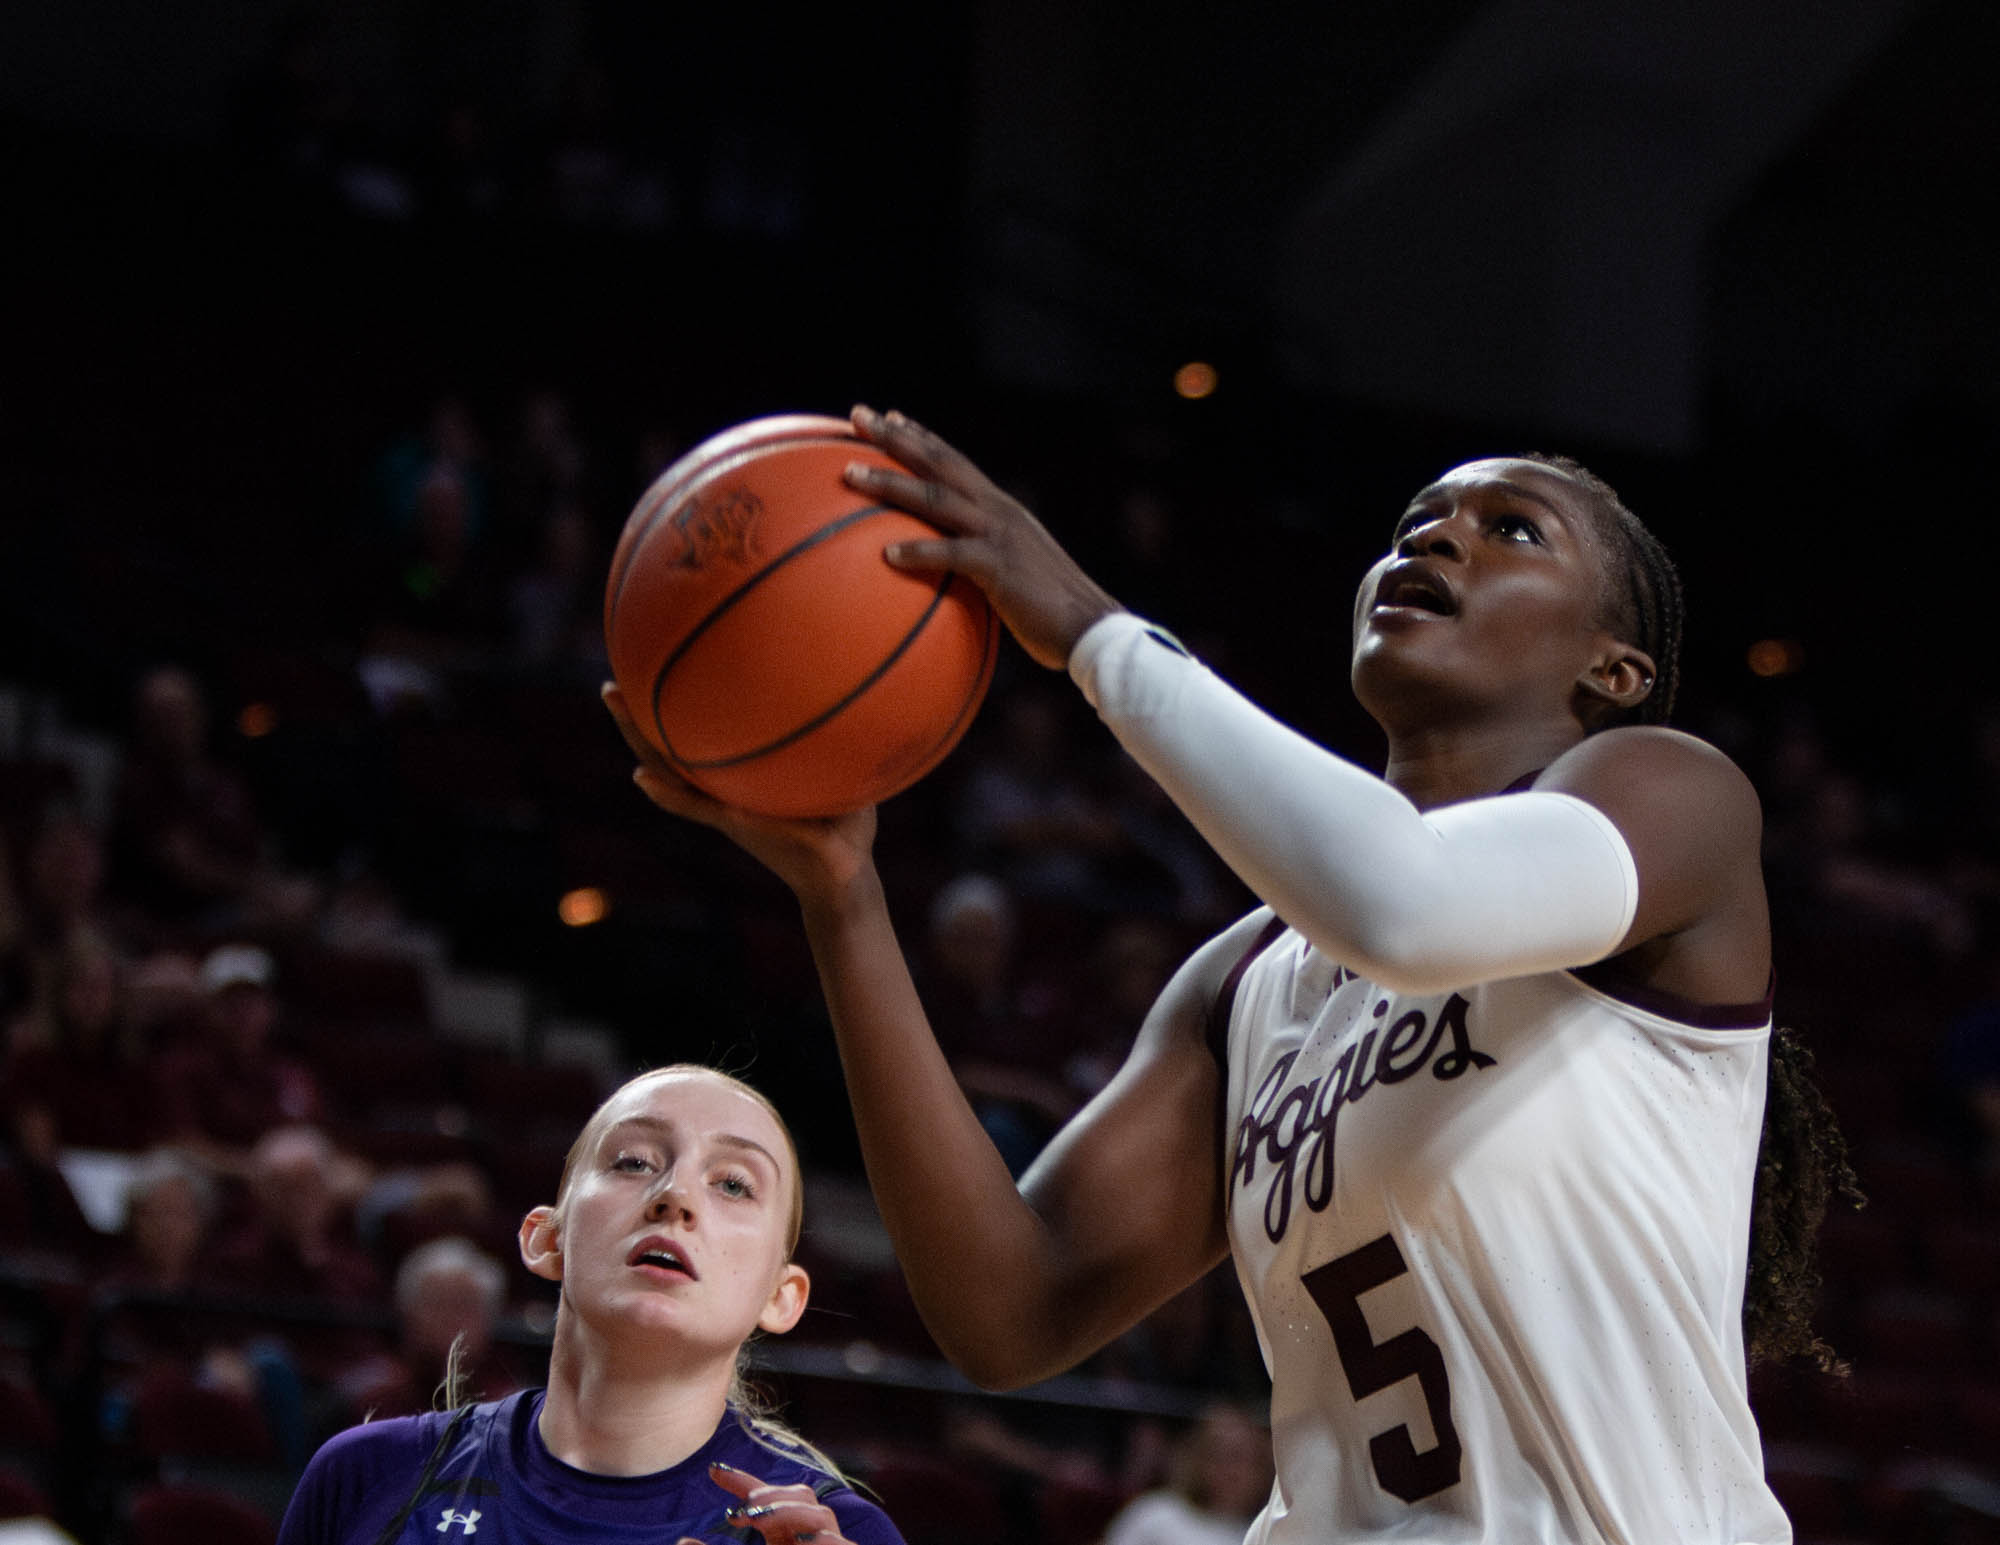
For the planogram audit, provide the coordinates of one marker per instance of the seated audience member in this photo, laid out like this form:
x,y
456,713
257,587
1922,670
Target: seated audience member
x,y
449,1296
1005,1039
61,900
227,1087
188,845
1024,810
297,1242
75,1074
170,1207
1221,1477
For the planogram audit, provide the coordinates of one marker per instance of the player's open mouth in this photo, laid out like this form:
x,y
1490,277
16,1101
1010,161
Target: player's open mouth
x,y
1414,586
662,1255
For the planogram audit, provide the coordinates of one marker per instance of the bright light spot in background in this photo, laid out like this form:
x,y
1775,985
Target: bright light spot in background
x,y
1195,380
257,720
584,906
1776,657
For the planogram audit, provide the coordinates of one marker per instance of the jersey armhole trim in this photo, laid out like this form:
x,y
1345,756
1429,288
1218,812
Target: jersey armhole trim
x,y
1225,995
1607,977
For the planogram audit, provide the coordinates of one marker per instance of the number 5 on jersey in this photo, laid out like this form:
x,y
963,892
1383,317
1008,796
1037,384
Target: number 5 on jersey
x,y
1371,1365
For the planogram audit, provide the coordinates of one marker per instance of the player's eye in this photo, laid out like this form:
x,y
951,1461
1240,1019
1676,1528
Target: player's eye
x,y
736,1184
1517,528
630,1163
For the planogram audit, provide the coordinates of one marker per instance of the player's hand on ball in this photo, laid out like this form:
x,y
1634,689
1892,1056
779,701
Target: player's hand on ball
x,y
806,854
783,1515
1045,599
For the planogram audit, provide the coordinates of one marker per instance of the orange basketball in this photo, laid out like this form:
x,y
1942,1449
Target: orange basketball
x,y
765,646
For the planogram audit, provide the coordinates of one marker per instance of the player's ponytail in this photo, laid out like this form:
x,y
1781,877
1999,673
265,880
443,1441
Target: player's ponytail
x,y
1802,1167
758,1416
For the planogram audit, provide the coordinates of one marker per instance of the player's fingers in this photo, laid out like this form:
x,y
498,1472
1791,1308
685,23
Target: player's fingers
x,y
961,555
731,1479
936,501
784,1522
917,447
654,775
780,1513
675,795
621,715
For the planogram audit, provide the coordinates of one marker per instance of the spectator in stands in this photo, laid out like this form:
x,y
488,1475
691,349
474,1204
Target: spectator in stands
x,y
1130,965
1007,1044
439,601
449,1294
169,1206
1026,812
297,1242
546,469
556,602
1827,858
450,442
188,845
61,888
1221,1476
76,1073
229,1087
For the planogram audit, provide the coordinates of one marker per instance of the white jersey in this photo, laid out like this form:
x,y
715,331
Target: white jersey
x,y
1494,1242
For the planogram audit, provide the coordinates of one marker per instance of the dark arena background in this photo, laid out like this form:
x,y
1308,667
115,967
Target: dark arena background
x,y
341,339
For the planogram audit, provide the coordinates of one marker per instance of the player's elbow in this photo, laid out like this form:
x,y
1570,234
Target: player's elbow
x,y
995,1364
1398,949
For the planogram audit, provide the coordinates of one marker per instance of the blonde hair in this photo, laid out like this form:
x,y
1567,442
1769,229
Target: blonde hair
x,y
751,1405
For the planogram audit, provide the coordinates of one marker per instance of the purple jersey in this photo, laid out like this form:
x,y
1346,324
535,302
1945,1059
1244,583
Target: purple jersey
x,y
495,1483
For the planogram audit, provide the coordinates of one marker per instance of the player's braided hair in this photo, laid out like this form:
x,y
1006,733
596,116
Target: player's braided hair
x,y
1646,608
1802,1163
1801,1168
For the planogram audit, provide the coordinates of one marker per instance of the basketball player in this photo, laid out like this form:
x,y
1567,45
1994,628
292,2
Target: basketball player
x,y
1474,1100
671,1235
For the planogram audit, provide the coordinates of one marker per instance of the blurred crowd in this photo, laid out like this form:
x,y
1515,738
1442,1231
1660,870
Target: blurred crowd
x,y
263,1151
255,1161
317,946
262,1162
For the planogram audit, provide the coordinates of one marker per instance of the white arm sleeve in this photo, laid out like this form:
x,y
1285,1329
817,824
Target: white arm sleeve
x,y
1496,887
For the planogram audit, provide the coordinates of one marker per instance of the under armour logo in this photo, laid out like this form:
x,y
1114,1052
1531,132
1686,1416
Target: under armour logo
x,y
470,1521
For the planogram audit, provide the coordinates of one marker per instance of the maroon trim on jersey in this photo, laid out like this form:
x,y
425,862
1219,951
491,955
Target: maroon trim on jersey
x,y
1614,982
1609,978
1225,995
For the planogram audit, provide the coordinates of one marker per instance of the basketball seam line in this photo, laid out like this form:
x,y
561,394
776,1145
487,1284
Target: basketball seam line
x,y
944,742
701,473
826,532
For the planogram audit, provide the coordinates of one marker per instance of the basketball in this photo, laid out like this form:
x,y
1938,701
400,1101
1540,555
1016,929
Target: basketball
x,y
766,648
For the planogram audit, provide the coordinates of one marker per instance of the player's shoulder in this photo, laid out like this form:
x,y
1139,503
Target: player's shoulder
x,y
862,1520
1650,762
395,1442
1212,964
379,1445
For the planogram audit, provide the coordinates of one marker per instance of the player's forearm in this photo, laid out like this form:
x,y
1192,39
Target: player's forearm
x,y
985,1270
1490,888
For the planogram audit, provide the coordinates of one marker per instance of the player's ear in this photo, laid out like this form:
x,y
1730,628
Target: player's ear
x,y
541,1243
1619,679
788,1300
